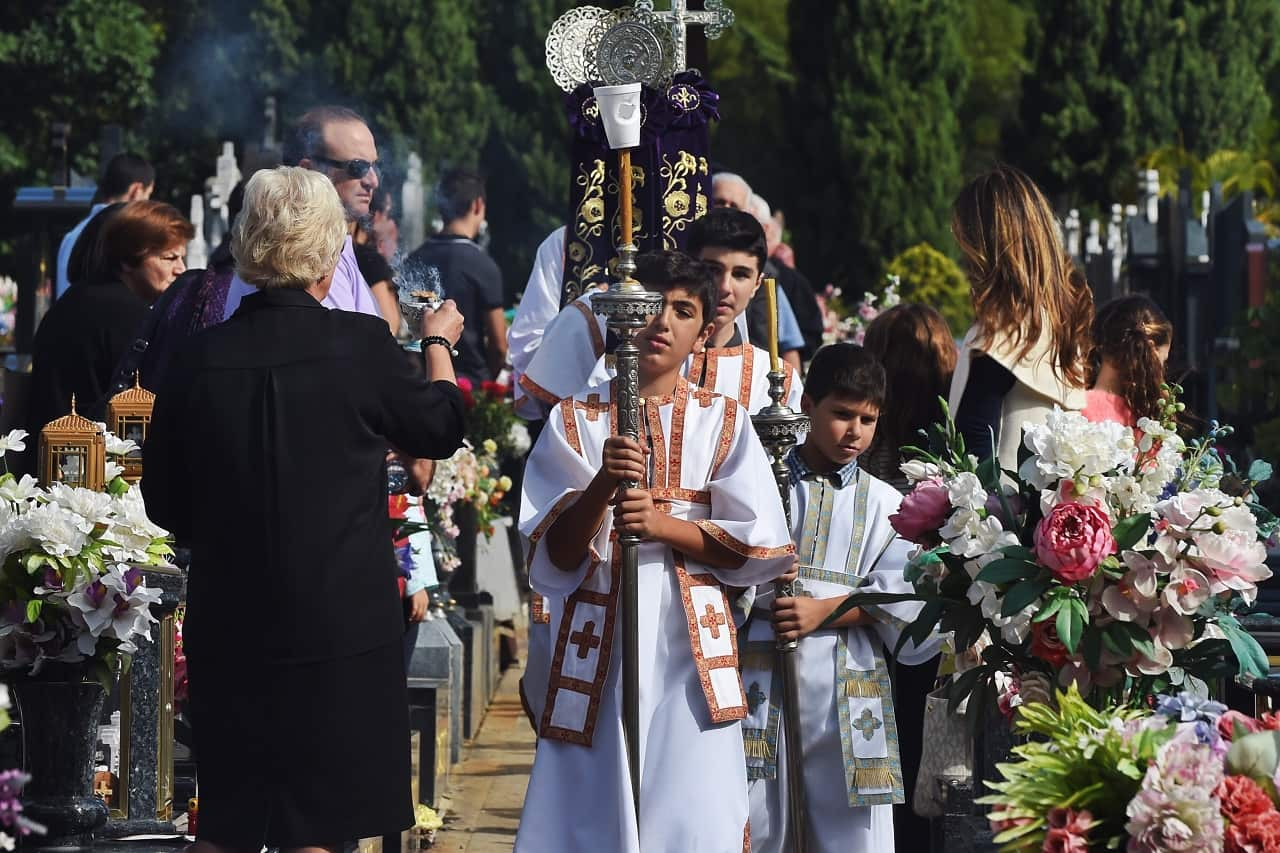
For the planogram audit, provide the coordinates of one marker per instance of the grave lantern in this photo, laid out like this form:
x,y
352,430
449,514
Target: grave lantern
x,y
73,451
129,417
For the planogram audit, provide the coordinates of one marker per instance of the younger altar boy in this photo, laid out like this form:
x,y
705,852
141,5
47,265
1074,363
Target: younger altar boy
x,y
840,521
708,514
572,353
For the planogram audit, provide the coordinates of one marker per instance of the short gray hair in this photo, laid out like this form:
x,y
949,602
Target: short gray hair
x,y
291,230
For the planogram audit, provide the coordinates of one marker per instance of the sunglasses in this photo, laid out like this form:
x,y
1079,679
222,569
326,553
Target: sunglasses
x,y
354,168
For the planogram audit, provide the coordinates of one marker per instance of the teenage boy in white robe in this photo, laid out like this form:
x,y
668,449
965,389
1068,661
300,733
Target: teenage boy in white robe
x,y
573,347
840,522
708,514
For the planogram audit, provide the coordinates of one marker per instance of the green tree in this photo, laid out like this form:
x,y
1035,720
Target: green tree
x,y
525,153
749,67
1115,79
995,42
84,62
874,131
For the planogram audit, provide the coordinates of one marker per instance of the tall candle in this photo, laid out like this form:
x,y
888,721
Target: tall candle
x,y
771,292
624,194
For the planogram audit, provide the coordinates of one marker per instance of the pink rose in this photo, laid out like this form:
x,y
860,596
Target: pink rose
x,y
1073,539
922,512
1227,729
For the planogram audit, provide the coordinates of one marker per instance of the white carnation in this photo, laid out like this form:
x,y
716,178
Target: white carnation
x,y
1067,446
966,492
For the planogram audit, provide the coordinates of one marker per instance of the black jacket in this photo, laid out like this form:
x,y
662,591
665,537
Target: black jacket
x,y
76,348
266,456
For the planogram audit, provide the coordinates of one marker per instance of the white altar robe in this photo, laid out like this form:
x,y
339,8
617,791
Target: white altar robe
x,y
708,467
571,357
852,770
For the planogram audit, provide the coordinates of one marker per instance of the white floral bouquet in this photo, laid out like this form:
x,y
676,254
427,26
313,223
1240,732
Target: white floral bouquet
x,y
71,590
8,312
1113,559
470,476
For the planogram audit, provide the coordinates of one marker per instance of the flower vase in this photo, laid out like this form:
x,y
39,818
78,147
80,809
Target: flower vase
x,y
59,736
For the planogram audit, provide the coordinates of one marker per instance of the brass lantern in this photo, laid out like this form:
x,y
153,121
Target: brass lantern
x,y
129,417
73,450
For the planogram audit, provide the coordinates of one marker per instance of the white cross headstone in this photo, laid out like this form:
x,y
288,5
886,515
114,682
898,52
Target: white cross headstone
x,y
1151,194
1115,240
716,19
197,249
1093,245
1071,231
412,206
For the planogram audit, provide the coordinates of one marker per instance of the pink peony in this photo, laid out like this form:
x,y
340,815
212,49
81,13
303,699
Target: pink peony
x,y
1227,729
1067,831
922,512
1073,539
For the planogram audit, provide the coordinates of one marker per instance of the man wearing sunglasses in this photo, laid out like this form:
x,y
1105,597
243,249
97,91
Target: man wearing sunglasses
x,y
337,142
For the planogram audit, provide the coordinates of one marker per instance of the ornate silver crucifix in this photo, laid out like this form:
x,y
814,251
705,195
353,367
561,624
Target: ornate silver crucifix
x,y
716,19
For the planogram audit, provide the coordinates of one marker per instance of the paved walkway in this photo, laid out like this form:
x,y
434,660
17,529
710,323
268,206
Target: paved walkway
x,y
482,809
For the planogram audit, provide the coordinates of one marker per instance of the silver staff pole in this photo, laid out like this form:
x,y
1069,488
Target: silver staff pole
x,y
779,429
627,307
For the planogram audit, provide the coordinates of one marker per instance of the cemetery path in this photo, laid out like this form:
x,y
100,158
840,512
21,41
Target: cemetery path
x,y
482,808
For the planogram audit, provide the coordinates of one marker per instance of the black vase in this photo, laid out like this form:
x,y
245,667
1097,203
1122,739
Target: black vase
x,y
59,735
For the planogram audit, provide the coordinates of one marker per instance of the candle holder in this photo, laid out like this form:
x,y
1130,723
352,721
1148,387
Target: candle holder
x,y
779,429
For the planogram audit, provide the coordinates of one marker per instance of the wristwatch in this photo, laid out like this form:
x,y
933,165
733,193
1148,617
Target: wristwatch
x,y
438,340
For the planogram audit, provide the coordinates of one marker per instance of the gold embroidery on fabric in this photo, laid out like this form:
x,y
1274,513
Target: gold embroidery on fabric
x,y
678,205
677,432
748,375
657,441
538,610
552,514
741,548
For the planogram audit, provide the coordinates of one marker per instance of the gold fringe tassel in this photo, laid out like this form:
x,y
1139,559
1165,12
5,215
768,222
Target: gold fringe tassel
x,y
862,688
758,748
872,778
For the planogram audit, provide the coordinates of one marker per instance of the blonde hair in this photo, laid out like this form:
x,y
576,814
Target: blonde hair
x,y
291,229
1023,285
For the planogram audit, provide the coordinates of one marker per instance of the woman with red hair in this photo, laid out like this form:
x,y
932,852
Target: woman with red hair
x,y
139,250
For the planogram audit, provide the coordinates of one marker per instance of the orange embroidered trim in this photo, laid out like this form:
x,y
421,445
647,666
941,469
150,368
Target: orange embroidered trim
x,y
552,514
533,389
746,837
744,381
726,436
593,689
713,368
740,548
696,366
693,496
786,384
538,610
597,342
677,433
571,423
657,444
704,663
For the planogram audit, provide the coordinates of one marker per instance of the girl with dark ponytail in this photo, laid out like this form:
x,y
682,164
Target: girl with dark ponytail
x,y
1131,340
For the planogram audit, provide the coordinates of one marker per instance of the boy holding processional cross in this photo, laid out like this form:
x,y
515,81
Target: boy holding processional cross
x,y
709,517
840,521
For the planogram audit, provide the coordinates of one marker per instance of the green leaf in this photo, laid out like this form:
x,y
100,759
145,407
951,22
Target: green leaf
x,y
1056,599
1252,660
961,687
1132,530
1019,552
34,606
1260,471
1005,570
1023,593
1069,626
1118,639
989,474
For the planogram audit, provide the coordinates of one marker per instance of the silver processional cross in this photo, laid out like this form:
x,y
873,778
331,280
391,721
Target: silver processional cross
x,y
716,19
